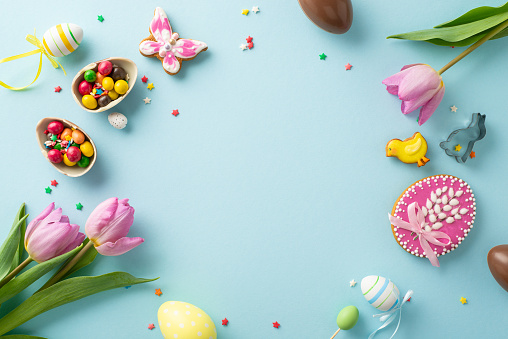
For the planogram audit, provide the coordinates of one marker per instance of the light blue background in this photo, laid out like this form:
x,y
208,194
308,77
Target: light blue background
x,y
270,191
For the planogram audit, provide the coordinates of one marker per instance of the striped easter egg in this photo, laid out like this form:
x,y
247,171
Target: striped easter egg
x,y
380,292
62,39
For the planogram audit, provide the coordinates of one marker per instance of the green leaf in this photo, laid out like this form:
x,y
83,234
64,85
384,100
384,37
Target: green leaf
x,y
21,247
20,336
8,251
476,14
85,260
64,292
30,276
463,31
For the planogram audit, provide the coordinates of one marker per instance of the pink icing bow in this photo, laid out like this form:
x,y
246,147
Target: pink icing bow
x,y
417,225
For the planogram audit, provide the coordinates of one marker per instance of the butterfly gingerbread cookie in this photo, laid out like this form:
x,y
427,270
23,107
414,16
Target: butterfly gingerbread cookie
x,y
167,46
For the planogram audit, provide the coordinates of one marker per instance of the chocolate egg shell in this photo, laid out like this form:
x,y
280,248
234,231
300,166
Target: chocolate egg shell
x,y
334,16
498,264
127,65
74,171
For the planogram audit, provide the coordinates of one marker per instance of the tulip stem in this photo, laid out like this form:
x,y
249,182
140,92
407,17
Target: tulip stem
x,y
67,267
477,44
15,271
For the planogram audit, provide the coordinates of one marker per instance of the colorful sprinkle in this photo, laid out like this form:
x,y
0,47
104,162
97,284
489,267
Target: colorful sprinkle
x,y
58,89
453,108
249,39
100,18
472,155
243,47
348,66
322,56
151,326
245,11
150,86
54,183
79,206
255,9
147,100
463,300
250,45
352,283
175,112
144,79
158,292
225,322
458,148
48,190
276,324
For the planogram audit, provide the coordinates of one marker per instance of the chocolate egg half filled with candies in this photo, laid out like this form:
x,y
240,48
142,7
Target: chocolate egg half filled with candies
x,y
334,16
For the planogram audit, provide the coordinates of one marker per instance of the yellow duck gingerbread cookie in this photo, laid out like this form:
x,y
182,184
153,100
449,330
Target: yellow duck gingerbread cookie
x,y
410,151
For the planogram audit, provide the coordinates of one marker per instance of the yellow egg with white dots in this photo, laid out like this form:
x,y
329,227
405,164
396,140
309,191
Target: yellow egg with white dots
x,y
181,320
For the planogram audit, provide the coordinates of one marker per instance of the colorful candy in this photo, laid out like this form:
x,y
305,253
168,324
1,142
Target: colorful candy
x,y
86,149
55,156
105,67
90,76
78,137
67,145
55,127
103,85
85,87
89,101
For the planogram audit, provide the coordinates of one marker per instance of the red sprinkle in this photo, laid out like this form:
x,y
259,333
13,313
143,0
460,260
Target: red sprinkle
x,y
249,39
175,112
225,322
276,324
250,45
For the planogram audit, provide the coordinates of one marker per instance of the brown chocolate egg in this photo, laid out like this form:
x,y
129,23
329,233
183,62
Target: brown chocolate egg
x,y
498,264
334,16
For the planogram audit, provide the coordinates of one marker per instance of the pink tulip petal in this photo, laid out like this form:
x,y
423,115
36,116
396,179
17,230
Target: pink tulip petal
x,y
409,66
418,81
121,246
119,225
393,89
430,107
49,240
411,105
31,226
395,79
78,240
100,217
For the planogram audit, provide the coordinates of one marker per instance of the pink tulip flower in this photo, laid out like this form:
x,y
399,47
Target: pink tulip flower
x,y
108,226
50,235
417,85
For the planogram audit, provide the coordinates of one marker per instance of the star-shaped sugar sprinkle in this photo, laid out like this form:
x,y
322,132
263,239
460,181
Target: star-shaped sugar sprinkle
x,y
472,155
249,39
250,45
453,108
225,322
255,9
458,148
245,11
144,79
79,206
322,56
54,183
352,283
100,18
150,86
147,100
175,112
158,292
409,299
276,324
463,300
348,66
48,190
243,47
58,89
151,326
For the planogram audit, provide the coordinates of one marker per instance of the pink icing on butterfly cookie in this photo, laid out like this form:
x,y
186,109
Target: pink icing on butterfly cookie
x,y
167,46
436,214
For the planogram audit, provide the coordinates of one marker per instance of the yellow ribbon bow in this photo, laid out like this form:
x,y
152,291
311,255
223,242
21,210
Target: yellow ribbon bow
x,y
40,49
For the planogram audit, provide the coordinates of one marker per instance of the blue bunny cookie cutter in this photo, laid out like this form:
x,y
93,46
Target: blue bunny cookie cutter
x,y
465,137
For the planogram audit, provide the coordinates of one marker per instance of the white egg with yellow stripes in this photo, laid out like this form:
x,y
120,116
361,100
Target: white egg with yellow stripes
x,y
181,320
62,39
380,292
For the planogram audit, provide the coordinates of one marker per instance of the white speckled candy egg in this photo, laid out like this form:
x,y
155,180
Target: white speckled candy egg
x,y
380,292
181,320
117,120
62,39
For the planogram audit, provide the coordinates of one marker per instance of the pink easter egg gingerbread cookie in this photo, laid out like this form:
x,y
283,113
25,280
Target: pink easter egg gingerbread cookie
x,y
433,216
